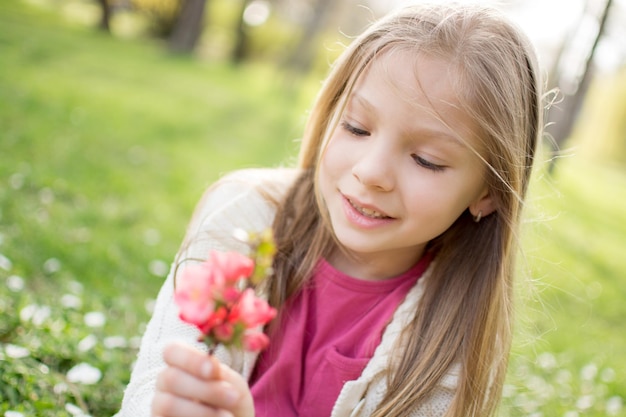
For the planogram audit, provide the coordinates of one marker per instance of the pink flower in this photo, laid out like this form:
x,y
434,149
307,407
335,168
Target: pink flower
x,y
224,332
233,265
214,320
253,311
193,295
254,341
211,297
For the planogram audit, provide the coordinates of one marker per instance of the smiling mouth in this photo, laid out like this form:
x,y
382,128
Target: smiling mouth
x,y
372,214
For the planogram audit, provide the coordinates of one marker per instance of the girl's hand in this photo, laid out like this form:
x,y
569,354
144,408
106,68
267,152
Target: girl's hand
x,y
197,385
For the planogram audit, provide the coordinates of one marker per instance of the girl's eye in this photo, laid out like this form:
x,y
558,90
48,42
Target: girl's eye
x,y
427,164
354,130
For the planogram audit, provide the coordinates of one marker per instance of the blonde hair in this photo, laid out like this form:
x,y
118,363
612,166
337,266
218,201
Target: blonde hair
x,y
465,314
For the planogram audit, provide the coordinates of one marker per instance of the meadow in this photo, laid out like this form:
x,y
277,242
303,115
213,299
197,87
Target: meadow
x,y
106,144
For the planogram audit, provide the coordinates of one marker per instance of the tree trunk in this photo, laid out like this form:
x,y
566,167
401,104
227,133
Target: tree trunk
x,y
562,117
303,54
188,27
105,17
240,51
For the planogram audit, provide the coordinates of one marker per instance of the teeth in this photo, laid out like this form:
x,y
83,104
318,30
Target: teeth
x,y
367,212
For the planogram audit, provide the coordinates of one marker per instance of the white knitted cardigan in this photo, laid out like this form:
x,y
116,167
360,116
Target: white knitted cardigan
x,y
237,202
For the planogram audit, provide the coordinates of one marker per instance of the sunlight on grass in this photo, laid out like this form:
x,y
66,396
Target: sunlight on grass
x,y
566,359
107,145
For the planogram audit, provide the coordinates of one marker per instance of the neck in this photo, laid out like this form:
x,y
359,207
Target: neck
x,y
372,267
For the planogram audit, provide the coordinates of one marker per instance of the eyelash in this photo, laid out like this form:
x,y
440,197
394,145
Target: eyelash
x,y
354,130
418,159
427,164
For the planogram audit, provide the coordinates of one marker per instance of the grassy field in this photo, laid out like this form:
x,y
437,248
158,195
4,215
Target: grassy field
x,y
106,145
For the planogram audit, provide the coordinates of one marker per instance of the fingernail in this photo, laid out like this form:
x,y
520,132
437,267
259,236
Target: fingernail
x,y
205,369
231,396
224,413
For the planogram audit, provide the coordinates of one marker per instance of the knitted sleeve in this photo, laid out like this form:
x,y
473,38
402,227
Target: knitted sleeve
x,y
237,201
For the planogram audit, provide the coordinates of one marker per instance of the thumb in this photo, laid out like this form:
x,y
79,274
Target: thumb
x,y
245,406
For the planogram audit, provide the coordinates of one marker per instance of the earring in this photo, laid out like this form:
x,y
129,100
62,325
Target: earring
x,y
478,217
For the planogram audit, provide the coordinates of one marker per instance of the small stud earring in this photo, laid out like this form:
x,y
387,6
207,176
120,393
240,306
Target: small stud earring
x,y
478,217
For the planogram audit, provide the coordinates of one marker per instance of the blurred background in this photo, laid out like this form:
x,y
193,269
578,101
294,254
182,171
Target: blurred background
x,y
115,115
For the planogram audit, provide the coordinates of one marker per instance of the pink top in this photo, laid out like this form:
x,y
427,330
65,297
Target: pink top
x,y
329,332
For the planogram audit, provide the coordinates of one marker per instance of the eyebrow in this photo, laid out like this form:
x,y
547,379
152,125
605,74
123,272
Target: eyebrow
x,y
355,96
423,132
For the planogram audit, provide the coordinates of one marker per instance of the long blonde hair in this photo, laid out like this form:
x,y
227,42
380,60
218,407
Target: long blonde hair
x,y
465,314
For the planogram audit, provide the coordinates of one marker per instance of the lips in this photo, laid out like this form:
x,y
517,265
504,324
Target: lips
x,y
366,210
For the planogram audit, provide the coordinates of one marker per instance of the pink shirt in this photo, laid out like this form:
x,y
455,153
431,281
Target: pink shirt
x,y
329,332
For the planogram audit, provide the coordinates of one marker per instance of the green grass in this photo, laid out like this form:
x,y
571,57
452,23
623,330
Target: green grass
x,y
570,338
106,145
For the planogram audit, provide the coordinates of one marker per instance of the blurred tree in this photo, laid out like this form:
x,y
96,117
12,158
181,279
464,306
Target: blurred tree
x,y
573,86
161,15
188,26
105,17
303,55
240,50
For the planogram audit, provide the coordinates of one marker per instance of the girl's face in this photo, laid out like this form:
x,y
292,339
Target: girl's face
x,y
394,175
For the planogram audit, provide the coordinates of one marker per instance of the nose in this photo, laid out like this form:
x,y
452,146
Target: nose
x,y
374,168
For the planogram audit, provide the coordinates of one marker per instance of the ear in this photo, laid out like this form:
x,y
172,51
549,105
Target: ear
x,y
484,204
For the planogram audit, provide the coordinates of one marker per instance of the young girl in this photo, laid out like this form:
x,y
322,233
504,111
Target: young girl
x,y
396,237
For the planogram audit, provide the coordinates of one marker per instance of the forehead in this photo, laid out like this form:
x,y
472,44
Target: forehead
x,y
423,87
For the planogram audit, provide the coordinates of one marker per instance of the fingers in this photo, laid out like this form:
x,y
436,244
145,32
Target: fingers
x,y
191,361
195,384
216,393
167,405
244,406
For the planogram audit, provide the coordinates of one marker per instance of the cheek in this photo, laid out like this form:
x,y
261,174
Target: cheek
x,y
332,163
437,198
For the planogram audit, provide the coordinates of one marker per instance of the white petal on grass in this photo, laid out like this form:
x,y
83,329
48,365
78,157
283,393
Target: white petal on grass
x,y
508,390
11,413
15,283
115,342
75,287
151,237
60,388
608,375
95,319
614,405
589,372
135,342
585,402
87,343
51,266
158,267
563,377
27,313
5,263
42,313
73,409
36,314
46,196
71,301
15,351
546,361
17,180
149,305
44,369
83,373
